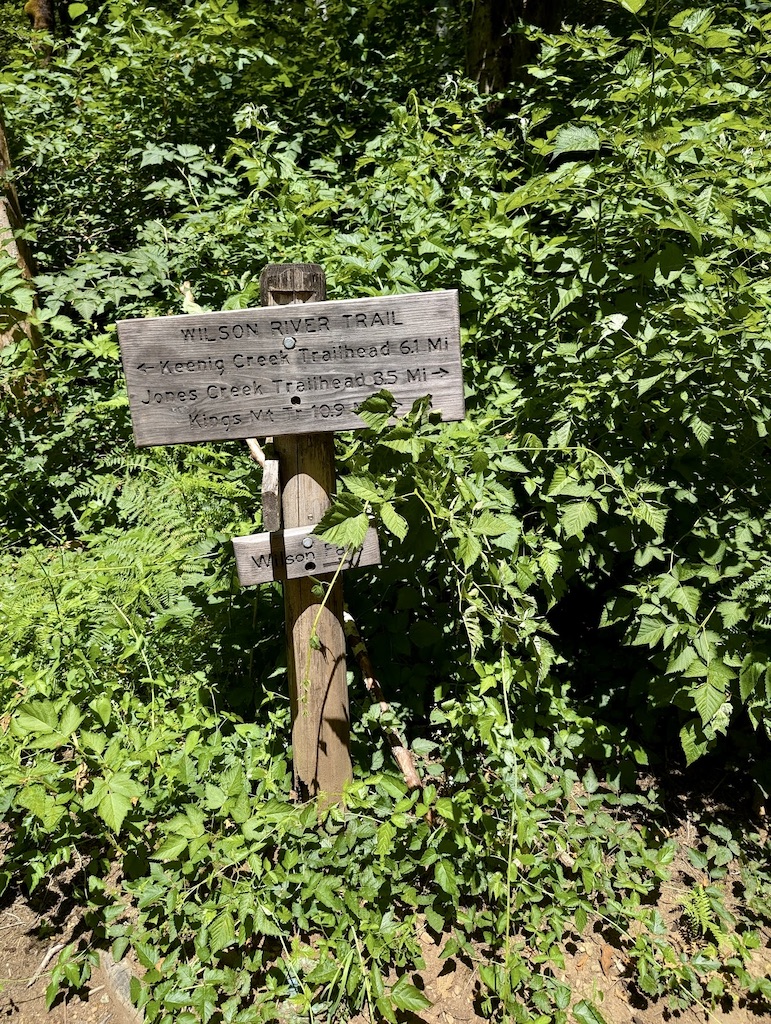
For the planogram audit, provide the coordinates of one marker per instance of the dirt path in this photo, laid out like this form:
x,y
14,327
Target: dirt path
x,y
25,943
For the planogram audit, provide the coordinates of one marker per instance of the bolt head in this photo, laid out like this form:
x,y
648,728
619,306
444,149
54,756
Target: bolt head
x,y
289,341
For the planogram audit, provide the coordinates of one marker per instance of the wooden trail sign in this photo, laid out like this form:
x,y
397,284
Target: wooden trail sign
x,y
280,371
295,554
296,369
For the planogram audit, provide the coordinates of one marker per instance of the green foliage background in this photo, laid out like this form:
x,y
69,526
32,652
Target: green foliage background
x,y
574,579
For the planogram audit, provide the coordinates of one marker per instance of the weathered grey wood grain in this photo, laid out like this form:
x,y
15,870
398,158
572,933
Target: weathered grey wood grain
x,y
296,554
271,496
316,667
289,369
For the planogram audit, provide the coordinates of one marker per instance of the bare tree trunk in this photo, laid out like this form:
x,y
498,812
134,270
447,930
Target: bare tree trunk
x,y
497,50
10,223
41,13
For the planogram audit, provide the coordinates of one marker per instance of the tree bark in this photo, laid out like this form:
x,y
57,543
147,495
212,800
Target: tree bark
x,y
10,223
497,49
41,14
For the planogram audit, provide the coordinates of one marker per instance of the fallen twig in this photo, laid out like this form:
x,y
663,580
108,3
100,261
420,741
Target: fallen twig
x,y
57,948
402,755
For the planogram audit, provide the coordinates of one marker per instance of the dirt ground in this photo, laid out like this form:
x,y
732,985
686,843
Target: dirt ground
x,y
25,947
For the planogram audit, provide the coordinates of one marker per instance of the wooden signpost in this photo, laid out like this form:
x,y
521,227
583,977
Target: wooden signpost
x,y
296,375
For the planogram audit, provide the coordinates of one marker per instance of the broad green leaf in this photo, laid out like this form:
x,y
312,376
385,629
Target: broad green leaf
x,y
113,797
655,517
488,524
345,523
749,677
36,717
469,549
393,521
633,6
586,1012
650,631
364,489
688,598
701,431
70,720
576,516
377,410
42,804
406,997
222,931
170,848
708,699
693,741
385,839
444,873
575,138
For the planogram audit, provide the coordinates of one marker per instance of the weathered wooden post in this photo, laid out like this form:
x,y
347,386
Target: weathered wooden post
x,y
318,685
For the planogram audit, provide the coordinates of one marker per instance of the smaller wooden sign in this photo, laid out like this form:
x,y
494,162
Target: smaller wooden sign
x,y
292,554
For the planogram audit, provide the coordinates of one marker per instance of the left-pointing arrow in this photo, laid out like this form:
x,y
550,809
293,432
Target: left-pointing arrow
x,y
144,367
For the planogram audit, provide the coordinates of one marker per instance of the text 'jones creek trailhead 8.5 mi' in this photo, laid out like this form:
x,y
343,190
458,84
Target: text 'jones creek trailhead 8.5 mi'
x,y
293,369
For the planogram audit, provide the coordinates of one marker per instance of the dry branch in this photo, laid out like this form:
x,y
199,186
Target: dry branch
x,y
402,754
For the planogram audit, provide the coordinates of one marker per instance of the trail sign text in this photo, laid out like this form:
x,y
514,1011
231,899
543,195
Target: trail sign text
x,y
293,369
292,554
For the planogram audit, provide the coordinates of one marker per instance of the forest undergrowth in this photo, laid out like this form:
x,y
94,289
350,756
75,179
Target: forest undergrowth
x,y
572,608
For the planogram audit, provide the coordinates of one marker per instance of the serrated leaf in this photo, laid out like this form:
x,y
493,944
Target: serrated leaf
x,y
731,612
550,563
693,741
392,521
656,518
750,675
37,800
576,516
113,797
222,931
364,489
75,10
385,839
687,598
345,523
487,524
406,997
473,629
701,431
36,717
469,549
511,464
575,138
170,848
649,632
377,410
708,700
70,720
586,1012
